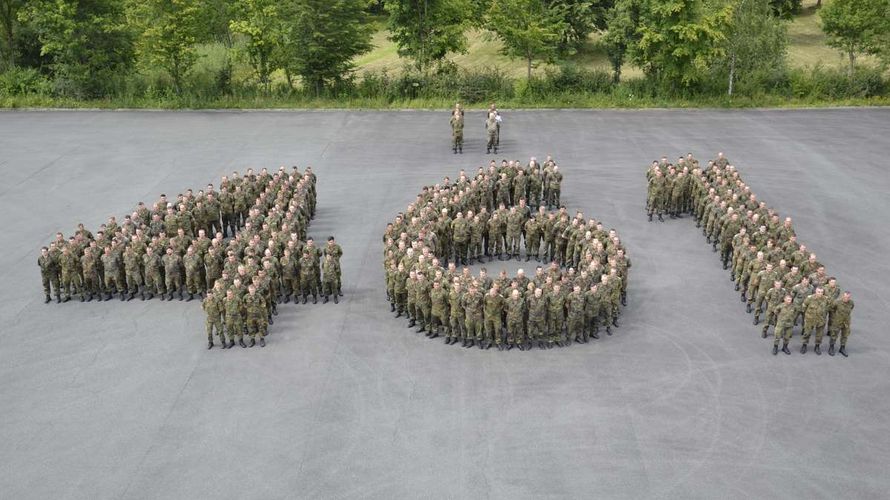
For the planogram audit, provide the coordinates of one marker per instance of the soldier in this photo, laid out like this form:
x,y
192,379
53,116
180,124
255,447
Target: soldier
x,y
70,265
556,315
515,308
592,310
815,307
172,273
785,314
308,286
256,316
537,319
400,290
333,248
330,272
460,232
457,132
111,266
515,220
152,266
532,239
472,304
575,318
49,273
423,305
491,128
774,297
493,309
133,272
839,322
214,309
456,317
90,267
439,312
192,263
554,187
234,318
654,201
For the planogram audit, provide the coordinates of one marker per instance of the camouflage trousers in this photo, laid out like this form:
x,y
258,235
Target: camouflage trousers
x,y
71,282
473,328
216,324
51,282
256,326
783,332
234,328
842,330
809,328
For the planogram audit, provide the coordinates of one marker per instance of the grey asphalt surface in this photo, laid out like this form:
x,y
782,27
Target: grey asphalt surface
x,y
122,400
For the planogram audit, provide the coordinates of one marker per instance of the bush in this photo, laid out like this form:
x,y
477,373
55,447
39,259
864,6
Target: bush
x,y
821,83
17,81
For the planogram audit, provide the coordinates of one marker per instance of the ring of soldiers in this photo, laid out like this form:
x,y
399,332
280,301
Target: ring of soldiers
x,y
777,277
242,249
504,211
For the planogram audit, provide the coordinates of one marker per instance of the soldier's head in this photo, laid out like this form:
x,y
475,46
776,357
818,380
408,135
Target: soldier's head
x,y
190,250
777,284
251,290
169,250
846,297
515,294
787,299
820,291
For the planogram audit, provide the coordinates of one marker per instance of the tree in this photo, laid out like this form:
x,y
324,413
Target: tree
x,y
755,39
529,29
168,32
580,18
856,27
785,9
262,23
88,42
427,30
622,23
324,39
676,42
9,10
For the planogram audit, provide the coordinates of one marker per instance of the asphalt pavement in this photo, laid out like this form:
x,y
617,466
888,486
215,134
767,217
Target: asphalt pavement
x,y
123,400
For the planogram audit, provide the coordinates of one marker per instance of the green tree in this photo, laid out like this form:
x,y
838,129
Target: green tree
x,y
786,9
677,42
168,31
88,42
580,18
9,10
622,25
325,37
529,29
427,30
756,39
263,25
856,27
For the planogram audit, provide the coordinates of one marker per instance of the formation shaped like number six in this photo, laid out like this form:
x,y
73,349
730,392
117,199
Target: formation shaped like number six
x,y
506,211
242,249
777,276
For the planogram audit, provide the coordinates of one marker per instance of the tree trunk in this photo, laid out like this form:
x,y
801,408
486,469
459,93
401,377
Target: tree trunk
x,y
852,56
529,67
731,73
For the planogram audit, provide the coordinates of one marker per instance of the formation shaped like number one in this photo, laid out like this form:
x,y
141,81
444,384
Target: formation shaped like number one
x,y
776,275
506,211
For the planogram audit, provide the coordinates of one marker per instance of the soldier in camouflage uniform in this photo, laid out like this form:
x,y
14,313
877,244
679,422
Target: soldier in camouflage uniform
x,y
456,317
172,273
439,317
308,264
256,316
472,304
839,322
70,266
234,308
785,314
493,310
91,281
774,297
152,265
575,318
336,251
49,273
133,272
815,308
457,132
214,309
113,284
330,273
515,308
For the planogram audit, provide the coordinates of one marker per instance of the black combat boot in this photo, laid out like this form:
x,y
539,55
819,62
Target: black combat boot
x,y
650,217
262,341
765,328
785,348
191,297
831,348
488,151
756,319
411,323
775,349
180,295
287,299
803,349
325,301
315,299
392,307
624,299
252,343
454,150
460,149
304,299
241,343
595,334
210,344
131,296
336,299
737,286
123,296
843,351
660,218
818,350
340,292
47,300
231,344
142,295
748,308
615,322
608,330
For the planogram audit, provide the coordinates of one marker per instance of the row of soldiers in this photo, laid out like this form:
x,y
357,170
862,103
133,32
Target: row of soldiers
x,y
776,275
268,248
554,307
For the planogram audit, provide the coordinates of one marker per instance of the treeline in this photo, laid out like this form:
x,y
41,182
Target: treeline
x,y
209,49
